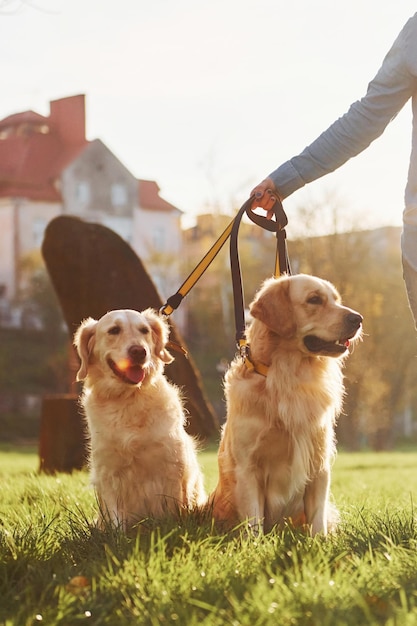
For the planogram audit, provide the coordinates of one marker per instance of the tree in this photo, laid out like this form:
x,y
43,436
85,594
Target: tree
x,y
365,266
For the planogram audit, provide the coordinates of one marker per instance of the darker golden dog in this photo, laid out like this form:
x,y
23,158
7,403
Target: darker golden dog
x,y
277,444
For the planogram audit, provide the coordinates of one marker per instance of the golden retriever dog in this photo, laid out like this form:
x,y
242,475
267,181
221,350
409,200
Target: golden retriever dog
x,y
278,443
143,463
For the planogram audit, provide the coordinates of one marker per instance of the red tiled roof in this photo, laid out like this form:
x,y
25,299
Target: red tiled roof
x,y
149,197
27,117
35,149
31,163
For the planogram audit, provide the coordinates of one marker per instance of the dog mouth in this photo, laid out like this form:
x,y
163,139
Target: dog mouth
x,y
127,371
317,345
352,324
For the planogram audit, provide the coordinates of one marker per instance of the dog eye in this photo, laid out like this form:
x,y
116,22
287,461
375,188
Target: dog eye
x,y
144,330
315,300
114,330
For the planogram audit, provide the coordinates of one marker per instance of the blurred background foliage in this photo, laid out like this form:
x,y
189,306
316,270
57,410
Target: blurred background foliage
x,y
365,265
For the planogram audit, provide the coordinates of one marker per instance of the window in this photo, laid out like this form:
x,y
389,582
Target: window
x,y
83,192
118,195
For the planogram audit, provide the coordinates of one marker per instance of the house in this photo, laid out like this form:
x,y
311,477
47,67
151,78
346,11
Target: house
x,y
49,168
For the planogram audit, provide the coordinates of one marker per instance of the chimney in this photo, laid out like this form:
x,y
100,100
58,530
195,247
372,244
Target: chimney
x,y
67,119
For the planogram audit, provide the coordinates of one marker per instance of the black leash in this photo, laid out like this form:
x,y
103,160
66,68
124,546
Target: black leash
x,y
282,263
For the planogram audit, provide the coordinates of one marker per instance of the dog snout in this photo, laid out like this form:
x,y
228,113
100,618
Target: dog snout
x,y
353,320
137,353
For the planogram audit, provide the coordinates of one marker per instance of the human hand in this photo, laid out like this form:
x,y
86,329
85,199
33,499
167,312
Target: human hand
x,y
265,195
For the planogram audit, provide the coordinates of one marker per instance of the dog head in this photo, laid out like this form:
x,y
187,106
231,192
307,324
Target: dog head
x,y
307,311
124,345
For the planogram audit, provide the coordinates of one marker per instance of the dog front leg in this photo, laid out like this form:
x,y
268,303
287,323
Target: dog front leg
x,y
250,503
316,502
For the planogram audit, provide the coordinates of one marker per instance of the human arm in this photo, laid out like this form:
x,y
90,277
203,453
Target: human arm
x,y
365,120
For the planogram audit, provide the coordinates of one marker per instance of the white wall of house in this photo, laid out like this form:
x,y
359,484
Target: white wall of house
x,y
32,219
7,256
123,226
22,228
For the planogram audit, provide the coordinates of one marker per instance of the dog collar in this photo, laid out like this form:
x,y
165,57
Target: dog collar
x,y
259,368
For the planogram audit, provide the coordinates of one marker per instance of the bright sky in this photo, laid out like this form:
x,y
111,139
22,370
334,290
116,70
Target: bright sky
x,y
208,97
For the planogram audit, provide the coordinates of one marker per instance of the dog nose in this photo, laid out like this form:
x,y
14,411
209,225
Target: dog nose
x,y
137,353
354,320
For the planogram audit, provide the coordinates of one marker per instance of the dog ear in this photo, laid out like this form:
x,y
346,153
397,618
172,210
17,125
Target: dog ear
x,y
160,330
272,306
84,343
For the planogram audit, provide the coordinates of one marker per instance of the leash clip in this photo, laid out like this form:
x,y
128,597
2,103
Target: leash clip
x,y
243,349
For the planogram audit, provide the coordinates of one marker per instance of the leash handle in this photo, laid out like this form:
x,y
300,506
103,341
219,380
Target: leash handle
x,y
280,222
282,262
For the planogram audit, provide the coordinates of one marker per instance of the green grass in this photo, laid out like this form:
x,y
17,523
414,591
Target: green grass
x,y
56,568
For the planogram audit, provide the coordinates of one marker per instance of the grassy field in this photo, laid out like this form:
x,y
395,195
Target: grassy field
x,y
56,568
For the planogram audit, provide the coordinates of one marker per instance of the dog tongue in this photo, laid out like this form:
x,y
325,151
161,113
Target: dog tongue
x,y
347,343
135,374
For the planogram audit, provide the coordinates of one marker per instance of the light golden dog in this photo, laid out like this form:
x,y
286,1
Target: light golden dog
x,y
143,463
277,443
